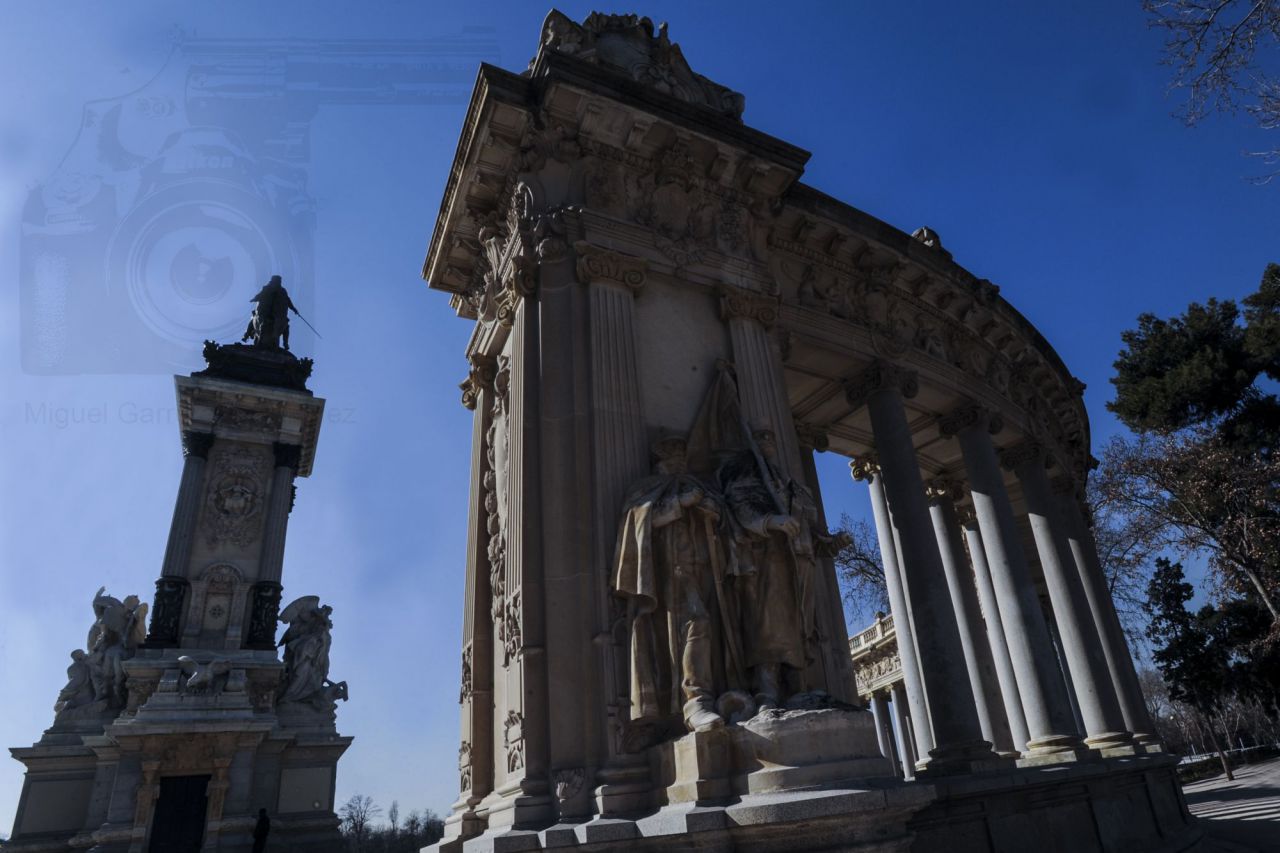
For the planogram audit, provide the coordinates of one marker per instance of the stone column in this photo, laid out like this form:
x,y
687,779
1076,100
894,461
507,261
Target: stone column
x,y
959,746
1095,693
837,666
880,712
177,552
265,607
475,698
942,494
1006,680
1044,698
866,468
905,751
760,383
1119,661
620,451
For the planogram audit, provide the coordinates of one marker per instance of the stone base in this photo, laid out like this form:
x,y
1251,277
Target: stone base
x,y
784,750
1131,804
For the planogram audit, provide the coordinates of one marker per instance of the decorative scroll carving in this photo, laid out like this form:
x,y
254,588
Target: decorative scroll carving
x,y
864,468
943,489
812,437
1021,453
881,376
478,379
264,613
969,415
166,612
513,740
735,302
598,264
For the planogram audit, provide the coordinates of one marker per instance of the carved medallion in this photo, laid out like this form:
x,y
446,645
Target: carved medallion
x,y
235,498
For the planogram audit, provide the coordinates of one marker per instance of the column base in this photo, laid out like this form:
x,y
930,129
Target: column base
x,y
964,759
1113,744
1057,749
1149,744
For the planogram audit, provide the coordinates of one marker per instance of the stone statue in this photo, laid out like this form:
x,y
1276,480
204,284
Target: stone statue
x,y
306,650
118,629
670,569
79,689
270,321
770,525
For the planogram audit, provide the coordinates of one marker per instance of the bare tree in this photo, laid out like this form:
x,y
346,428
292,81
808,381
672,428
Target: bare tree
x,y
393,816
358,815
1223,56
860,571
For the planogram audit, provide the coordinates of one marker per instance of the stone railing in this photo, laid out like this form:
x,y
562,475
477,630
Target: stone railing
x,y
875,656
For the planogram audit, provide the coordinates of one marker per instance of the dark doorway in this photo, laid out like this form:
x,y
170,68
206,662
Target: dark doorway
x,y
178,825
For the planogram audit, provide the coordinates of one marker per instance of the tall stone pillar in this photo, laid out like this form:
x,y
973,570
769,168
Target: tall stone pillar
x,y
1044,697
1095,692
866,468
959,746
942,494
1007,681
621,457
838,667
880,712
1084,552
475,754
265,603
172,587
906,750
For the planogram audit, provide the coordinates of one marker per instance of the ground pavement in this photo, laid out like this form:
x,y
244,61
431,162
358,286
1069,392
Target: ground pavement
x,y
1243,815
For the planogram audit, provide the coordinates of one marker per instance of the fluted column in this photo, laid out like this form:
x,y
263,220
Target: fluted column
x,y
1119,661
866,468
942,494
902,730
1007,681
750,316
1095,693
621,456
959,745
1044,697
265,606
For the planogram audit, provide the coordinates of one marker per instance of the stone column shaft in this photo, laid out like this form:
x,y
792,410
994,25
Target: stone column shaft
x,y
1119,661
880,713
1094,691
964,601
902,731
958,732
1044,697
279,504
913,691
1008,682
177,552
760,382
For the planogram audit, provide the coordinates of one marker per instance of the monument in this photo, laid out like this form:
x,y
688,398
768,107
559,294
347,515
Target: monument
x,y
173,738
668,324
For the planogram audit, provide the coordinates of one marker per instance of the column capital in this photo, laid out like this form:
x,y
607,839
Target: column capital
x,y
969,415
480,378
812,437
1065,484
598,265
881,376
736,302
966,515
287,455
864,467
943,489
1020,454
196,443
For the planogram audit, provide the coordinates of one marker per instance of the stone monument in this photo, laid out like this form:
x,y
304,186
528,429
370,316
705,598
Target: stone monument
x,y
173,738
668,324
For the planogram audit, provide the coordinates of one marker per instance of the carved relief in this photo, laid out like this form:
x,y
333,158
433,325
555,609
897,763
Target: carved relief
x,y
235,496
509,631
568,783
494,481
464,766
513,740
244,420
465,692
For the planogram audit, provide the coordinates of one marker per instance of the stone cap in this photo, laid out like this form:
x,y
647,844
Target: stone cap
x,y
244,411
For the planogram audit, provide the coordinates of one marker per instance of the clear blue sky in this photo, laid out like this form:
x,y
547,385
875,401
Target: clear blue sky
x,y
1035,138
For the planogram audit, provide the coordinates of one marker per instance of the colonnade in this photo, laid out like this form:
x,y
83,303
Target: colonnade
x,y
981,676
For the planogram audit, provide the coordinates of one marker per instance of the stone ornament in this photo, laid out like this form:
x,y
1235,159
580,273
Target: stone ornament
x,y
596,264
235,496
119,628
627,44
513,740
166,612
881,376
306,655
735,302
969,415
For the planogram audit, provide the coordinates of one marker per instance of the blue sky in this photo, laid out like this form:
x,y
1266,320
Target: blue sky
x,y
1036,139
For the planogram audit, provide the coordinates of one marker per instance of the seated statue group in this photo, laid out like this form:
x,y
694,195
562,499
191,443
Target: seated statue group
x,y
716,563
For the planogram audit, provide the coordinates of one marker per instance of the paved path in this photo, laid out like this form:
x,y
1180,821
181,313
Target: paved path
x,y
1245,812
